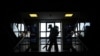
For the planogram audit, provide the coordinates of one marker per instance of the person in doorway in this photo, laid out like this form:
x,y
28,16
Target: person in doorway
x,y
53,38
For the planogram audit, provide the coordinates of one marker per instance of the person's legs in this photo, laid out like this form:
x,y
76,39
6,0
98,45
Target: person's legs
x,y
56,46
50,46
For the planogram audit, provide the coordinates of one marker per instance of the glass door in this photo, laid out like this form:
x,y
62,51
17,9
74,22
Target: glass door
x,y
44,32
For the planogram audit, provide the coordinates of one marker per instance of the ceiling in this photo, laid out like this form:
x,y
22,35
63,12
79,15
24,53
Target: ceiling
x,y
20,9
48,15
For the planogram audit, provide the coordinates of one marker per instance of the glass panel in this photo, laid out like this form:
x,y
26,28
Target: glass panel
x,y
21,27
58,41
47,40
15,27
82,26
59,48
87,24
43,34
59,35
47,46
82,33
48,26
43,27
48,33
78,27
58,24
52,49
43,42
74,35
28,34
43,50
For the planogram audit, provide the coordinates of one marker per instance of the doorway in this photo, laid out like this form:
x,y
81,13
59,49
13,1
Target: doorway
x,y
44,32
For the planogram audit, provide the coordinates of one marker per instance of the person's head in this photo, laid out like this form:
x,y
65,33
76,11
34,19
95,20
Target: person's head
x,y
50,26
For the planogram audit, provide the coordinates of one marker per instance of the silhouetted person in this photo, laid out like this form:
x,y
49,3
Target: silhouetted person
x,y
69,42
53,37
